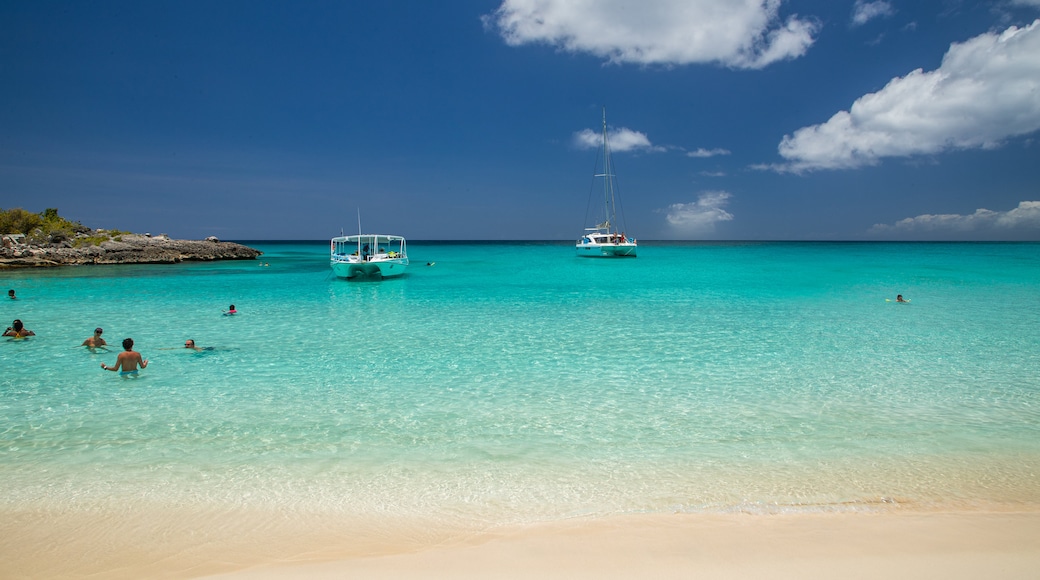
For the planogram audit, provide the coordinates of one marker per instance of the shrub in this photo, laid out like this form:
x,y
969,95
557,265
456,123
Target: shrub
x,y
19,221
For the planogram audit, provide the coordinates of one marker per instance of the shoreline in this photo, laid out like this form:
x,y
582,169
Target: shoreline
x,y
126,248
257,545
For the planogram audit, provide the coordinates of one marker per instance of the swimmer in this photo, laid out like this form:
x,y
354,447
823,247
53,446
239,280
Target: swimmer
x,y
17,330
127,361
96,340
899,298
10,294
190,343
231,310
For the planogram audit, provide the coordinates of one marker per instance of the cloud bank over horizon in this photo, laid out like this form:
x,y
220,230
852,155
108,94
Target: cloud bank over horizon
x,y
983,224
986,91
744,34
698,218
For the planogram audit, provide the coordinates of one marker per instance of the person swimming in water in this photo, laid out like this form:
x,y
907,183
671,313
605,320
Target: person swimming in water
x,y
10,294
96,340
18,330
128,360
231,310
190,343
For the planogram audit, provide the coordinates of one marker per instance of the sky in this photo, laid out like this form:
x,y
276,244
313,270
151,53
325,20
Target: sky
x,y
471,120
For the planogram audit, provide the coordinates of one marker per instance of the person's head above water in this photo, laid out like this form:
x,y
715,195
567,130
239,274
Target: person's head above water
x,y
98,331
189,343
17,325
128,343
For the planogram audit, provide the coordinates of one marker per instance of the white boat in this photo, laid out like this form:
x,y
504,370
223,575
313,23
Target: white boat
x,y
605,240
369,255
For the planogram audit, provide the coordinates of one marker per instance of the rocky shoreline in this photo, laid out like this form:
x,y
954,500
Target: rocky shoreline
x,y
121,249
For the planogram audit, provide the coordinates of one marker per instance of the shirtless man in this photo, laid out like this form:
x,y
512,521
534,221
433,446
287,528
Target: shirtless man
x,y
127,360
96,340
191,344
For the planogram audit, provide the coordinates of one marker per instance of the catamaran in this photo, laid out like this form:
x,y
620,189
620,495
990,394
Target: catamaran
x,y
369,255
605,240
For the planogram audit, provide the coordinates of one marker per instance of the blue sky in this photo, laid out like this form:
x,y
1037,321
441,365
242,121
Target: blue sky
x,y
729,120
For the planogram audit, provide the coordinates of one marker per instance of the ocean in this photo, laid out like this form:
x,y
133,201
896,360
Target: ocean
x,y
502,384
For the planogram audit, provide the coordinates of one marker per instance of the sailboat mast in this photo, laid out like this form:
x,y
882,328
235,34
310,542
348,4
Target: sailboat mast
x,y
608,187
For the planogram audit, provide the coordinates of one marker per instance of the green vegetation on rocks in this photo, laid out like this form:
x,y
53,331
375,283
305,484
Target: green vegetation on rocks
x,y
47,239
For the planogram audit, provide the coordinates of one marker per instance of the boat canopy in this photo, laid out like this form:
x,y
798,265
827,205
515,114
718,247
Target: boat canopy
x,y
368,239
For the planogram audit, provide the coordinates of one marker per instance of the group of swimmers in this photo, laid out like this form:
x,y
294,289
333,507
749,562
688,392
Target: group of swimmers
x,y
128,362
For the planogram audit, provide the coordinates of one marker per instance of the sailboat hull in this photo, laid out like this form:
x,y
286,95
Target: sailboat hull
x,y
595,250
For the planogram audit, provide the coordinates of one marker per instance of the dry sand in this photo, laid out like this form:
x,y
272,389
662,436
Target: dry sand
x,y
264,546
918,546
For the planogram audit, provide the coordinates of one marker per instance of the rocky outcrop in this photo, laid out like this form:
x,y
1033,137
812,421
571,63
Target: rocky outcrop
x,y
122,249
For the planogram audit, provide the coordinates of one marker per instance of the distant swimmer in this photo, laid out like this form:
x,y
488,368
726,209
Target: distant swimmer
x,y
127,361
10,294
430,263
190,344
231,310
18,330
899,298
96,340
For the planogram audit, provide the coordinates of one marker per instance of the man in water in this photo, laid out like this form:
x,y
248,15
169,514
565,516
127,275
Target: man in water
x,y
190,343
127,361
96,340
899,298
10,294
17,330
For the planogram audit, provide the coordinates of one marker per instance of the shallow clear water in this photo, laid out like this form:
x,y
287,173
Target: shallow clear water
x,y
510,383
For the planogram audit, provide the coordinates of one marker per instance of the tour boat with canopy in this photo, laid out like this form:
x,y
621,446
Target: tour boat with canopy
x,y
369,255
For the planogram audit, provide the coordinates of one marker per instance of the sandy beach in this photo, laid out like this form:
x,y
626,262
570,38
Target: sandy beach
x,y
941,545
831,545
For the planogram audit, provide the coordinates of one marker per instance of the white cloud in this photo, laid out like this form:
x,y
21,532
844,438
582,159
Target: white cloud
x,y
1026,2
734,33
986,90
866,10
620,140
984,223
707,152
698,218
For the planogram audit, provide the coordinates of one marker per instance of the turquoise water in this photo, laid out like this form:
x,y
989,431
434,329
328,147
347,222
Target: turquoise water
x,y
514,383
